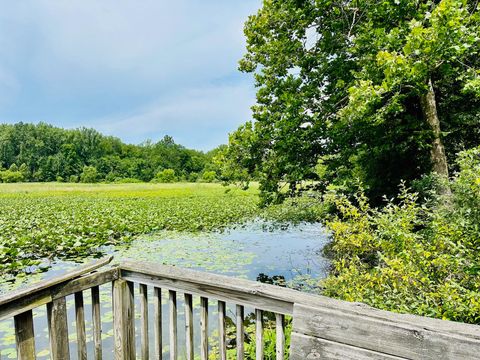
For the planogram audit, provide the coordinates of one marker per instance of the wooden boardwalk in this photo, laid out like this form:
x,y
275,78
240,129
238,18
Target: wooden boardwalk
x,y
323,328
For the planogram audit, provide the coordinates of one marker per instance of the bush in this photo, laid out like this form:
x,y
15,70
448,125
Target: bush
x,y
165,176
9,176
73,179
193,177
209,176
411,257
89,174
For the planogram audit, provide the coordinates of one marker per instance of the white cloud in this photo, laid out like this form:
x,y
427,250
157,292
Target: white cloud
x,y
208,112
171,65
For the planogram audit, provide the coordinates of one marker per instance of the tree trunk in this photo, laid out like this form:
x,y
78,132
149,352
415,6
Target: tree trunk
x,y
437,154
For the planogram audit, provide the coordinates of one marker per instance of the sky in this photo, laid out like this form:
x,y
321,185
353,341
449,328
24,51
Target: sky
x,y
135,69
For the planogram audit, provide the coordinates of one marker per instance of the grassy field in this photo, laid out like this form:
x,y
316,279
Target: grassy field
x,y
55,220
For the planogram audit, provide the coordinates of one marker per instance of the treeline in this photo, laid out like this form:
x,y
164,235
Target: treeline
x,y
41,152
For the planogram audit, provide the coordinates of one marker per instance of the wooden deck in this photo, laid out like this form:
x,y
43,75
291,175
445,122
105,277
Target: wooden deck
x,y
323,328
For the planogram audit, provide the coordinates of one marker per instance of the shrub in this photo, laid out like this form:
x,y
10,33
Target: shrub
x,y
209,176
9,176
412,257
165,176
89,174
73,179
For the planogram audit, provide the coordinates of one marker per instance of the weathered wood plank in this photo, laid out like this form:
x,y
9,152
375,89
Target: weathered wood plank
x,y
387,337
306,347
204,328
86,281
124,320
80,326
240,332
172,296
144,321
280,336
45,296
97,323
58,329
220,290
41,285
222,339
157,322
275,299
259,334
24,336
189,340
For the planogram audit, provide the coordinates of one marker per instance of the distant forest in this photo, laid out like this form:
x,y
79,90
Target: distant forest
x,y
42,152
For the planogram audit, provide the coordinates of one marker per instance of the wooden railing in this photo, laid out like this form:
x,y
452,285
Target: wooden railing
x,y
323,328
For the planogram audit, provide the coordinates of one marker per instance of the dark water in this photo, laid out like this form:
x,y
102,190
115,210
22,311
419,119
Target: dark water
x,y
290,256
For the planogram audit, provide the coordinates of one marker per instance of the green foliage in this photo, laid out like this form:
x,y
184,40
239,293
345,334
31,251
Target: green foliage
x,y
9,176
209,176
89,174
47,152
165,176
343,84
69,222
412,258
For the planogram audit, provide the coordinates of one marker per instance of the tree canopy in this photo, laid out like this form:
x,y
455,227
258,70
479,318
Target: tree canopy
x,y
378,91
46,153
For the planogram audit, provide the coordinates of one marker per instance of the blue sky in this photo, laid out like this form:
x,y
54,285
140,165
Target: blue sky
x,y
136,69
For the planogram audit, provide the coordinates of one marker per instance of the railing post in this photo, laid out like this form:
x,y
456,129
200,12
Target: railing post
x,y
24,336
58,329
97,324
123,320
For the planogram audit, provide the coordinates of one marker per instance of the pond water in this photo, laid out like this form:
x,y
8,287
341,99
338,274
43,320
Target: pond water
x,y
289,255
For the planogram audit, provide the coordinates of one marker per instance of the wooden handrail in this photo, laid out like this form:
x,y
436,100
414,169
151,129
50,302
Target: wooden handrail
x,y
322,326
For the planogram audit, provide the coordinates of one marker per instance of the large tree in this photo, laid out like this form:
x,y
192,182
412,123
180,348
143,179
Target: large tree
x,y
366,87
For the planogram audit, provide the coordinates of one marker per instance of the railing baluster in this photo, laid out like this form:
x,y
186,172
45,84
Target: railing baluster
x,y
124,320
240,332
24,336
280,336
157,322
144,320
58,329
173,324
259,334
189,325
80,325
97,323
222,341
204,328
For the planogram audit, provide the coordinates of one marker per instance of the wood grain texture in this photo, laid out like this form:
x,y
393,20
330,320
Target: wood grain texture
x,y
240,314
80,326
259,334
58,329
189,339
96,323
173,330
157,322
279,336
398,339
144,345
41,285
35,299
222,337
123,320
24,336
273,298
203,328
305,347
